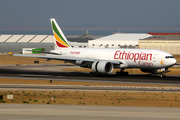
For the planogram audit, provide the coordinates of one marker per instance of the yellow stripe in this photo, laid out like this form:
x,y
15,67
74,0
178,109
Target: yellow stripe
x,y
59,40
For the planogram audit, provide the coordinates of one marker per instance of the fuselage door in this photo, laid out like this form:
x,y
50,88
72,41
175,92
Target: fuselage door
x,y
154,57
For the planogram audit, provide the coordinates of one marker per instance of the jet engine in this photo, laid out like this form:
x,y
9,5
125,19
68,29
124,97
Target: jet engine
x,y
102,67
153,70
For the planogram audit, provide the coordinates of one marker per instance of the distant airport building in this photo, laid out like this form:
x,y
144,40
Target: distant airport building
x,y
16,43
118,40
169,42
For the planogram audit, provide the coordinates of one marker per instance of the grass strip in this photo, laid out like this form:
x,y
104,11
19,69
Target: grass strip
x,y
156,99
13,60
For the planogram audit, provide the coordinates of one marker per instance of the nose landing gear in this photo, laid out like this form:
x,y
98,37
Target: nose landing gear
x,y
163,75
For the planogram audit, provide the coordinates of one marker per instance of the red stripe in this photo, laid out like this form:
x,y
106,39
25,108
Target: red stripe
x,y
60,45
164,33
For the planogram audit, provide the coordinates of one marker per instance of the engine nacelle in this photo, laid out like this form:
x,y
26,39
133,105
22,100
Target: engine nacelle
x,y
153,70
102,67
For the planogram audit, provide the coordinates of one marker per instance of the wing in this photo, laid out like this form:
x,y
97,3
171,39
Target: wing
x,y
69,59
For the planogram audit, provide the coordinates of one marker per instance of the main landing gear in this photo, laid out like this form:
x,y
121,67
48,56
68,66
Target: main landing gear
x,y
122,73
95,74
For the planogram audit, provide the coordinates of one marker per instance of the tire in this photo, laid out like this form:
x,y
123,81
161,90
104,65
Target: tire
x,y
94,74
162,76
117,73
91,74
126,73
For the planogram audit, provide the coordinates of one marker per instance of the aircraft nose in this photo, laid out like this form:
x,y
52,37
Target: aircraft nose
x,y
173,62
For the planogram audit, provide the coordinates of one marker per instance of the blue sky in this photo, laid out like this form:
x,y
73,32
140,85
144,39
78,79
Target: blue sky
x,y
24,15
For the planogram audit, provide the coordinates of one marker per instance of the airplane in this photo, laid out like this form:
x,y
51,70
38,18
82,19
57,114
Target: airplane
x,y
104,60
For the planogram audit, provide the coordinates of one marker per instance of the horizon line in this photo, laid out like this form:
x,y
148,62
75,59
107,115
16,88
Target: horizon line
x,y
82,29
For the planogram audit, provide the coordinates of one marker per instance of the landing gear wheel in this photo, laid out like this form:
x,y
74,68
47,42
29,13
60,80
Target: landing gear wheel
x,y
126,73
95,74
117,73
121,73
91,73
163,75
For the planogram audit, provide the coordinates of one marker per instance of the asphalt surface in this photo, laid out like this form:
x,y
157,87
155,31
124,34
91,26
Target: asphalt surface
x,y
81,112
88,112
53,72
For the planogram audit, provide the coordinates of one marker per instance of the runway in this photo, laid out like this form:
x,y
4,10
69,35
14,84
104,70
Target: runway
x,y
81,112
54,72
86,88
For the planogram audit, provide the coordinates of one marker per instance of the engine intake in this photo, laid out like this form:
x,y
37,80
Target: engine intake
x,y
102,67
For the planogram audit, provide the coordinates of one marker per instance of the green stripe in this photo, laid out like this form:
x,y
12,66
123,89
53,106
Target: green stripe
x,y
57,32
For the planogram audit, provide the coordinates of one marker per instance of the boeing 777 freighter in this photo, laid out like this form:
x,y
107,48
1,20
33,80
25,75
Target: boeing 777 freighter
x,y
104,60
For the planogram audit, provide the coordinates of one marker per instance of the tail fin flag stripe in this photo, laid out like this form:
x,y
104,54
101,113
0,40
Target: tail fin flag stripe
x,y
59,37
60,40
60,45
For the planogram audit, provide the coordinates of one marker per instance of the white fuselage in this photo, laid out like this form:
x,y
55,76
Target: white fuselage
x,y
129,58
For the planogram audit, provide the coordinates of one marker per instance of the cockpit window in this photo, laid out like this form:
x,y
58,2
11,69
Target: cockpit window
x,y
169,57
